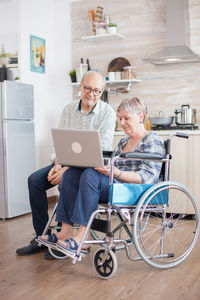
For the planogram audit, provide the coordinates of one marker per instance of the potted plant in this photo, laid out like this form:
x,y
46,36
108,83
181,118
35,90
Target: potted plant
x,y
4,57
72,75
112,28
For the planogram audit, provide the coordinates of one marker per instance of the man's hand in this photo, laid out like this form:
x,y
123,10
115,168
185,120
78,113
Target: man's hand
x,y
55,174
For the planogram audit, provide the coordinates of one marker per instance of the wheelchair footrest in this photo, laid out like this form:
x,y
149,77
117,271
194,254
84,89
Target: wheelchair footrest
x,y
100,225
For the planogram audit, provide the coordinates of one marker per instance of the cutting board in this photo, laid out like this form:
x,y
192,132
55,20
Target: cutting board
x,y
118,64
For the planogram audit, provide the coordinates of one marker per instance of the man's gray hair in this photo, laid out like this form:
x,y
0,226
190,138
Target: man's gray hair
x,y
94,72
133,105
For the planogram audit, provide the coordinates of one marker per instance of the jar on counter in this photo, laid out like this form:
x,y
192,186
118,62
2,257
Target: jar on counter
x,y
130,72
81,69
101,28
107,19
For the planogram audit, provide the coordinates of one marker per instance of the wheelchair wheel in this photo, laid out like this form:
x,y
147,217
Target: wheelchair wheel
x,y
105,263
173,225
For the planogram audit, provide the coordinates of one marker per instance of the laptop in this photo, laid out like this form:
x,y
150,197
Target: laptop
x,y
78,148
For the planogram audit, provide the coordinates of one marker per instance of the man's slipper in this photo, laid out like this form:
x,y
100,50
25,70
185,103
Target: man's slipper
x,y
69,247
49,240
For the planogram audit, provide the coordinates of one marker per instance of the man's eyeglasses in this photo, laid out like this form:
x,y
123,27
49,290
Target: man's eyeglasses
x,y
88,90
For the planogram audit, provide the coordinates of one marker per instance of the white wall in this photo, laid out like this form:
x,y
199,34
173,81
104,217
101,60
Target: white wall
x,y
51,20
48,19
9,26
9,17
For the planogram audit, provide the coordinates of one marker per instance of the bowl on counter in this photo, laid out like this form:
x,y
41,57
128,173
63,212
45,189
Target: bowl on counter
x,y
161,120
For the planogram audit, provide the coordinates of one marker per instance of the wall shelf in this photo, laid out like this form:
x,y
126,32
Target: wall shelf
x,y
115,90
103,37
112,83
122,81
109,82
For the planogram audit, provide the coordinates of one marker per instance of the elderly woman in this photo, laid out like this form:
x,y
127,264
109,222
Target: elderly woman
x,y
82,189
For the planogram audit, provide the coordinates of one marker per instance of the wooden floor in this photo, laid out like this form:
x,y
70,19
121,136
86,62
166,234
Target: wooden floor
x,y
33,277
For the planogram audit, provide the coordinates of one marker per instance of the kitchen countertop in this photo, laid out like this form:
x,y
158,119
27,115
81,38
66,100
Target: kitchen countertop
x,y
166,132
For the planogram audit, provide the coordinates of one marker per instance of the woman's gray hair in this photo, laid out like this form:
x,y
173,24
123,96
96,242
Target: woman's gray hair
x,y
133,105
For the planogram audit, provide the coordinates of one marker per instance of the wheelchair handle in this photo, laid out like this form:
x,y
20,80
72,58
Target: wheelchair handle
x,y
178,134
182,135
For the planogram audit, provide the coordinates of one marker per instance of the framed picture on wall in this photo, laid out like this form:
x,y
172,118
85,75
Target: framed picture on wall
x,y
37,54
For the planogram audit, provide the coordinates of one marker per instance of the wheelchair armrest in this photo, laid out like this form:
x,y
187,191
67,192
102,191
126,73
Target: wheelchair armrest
x,y
107,154
142,156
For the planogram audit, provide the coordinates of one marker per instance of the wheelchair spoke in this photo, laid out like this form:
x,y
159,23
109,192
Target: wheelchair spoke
x,y
171,233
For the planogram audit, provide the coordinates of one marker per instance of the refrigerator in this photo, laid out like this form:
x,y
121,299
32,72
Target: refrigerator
x,y
17,147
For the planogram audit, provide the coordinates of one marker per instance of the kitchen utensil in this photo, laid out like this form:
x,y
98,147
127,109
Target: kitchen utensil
x,y
147,123
91,16
98,14
111,76
185,115
118,76
118,64
130,72
107,19
161,120
2,73
104,96
81,69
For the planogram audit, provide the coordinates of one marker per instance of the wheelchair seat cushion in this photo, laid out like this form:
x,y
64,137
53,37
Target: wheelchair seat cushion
x,y
127,194
130,194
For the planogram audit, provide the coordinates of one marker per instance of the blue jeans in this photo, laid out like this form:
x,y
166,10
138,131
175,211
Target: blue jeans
x,y
38,185
81,191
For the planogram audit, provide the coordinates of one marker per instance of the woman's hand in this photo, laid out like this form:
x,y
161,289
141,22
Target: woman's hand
x,y
106,171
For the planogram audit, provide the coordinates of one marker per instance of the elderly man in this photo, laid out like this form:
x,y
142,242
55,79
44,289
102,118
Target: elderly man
x,y
87,113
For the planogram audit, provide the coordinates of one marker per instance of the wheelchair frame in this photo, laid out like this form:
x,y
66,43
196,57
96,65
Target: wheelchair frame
x,y
156,219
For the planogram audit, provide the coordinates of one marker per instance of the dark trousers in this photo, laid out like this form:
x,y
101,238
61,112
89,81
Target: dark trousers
x,y
38,185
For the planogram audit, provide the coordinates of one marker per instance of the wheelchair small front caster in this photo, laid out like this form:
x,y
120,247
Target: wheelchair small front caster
x,y
105,263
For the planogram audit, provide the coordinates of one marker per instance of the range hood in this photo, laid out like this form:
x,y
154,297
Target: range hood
x,y
178,36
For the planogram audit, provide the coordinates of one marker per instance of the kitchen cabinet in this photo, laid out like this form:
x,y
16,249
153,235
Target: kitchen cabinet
x,y
185,163
194,166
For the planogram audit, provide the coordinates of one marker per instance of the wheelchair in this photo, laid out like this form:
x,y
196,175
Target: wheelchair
x,y
156,223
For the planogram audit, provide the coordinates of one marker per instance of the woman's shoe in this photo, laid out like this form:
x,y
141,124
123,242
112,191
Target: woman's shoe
x,y
69,248
48,240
